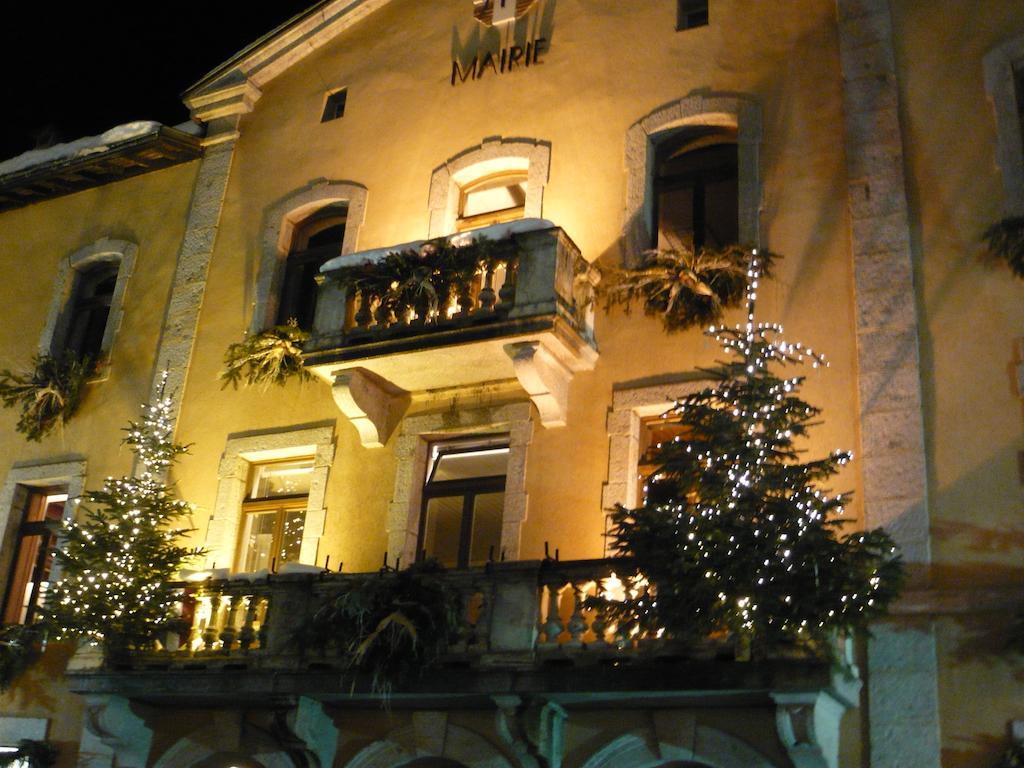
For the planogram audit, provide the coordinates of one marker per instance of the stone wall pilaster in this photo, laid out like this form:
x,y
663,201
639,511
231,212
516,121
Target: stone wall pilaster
x,y
903,697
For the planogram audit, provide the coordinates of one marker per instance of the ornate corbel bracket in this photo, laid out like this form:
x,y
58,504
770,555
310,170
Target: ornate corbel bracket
x,y
114,735
808,726
545,379
373,405
534,730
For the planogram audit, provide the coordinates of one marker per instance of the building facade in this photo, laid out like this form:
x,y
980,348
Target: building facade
x,y
870,143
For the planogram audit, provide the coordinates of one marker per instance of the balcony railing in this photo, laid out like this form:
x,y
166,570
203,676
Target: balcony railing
x,y
514,614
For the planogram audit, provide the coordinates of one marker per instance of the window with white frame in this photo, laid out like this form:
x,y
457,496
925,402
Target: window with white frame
x,y
274,514
499,180
269,510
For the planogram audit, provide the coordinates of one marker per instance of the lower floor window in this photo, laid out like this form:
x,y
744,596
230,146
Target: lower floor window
x,y
33,555
464,501
274,516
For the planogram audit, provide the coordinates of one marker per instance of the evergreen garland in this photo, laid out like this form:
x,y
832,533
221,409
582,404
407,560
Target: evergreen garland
x,y
48,395
424,280
270,357
685,288
1006,241
736,536
19,648
116,565
391,626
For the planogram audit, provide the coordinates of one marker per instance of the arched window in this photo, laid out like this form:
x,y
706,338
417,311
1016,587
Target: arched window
x,y
492,199
696,200
315,240
92,297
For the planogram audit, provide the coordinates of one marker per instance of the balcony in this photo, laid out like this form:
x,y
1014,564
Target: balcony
x,y
527,316
525,631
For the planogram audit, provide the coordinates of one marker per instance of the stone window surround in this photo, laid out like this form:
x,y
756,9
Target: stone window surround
x,y
741,113
493,155
1000,65
240,452
411,451
281,220
630,406
103,251
67,472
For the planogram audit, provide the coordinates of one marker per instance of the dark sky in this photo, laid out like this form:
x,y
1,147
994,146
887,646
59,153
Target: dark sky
x,y
73,69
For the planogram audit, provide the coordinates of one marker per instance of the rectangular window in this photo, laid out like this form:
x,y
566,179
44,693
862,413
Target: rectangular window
x,y
692,13
274,514
655,431
334,107
463,501
33,555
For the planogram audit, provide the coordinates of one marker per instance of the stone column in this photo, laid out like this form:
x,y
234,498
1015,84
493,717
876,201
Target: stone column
x,y
180,323
902,685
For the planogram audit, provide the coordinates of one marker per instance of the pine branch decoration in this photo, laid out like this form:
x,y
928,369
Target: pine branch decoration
x,y
685,288
1006,242
270,357
48,395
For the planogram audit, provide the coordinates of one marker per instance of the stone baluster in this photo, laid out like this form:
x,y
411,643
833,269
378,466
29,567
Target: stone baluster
x,y
195,632
577,625
487,296
382,316
364,315
247,634
210,633
229,631
507,293
465,299
553,626
599,626
264,622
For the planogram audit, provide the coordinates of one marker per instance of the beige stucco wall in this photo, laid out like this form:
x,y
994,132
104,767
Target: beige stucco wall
x,y
403,119
972,315
147,210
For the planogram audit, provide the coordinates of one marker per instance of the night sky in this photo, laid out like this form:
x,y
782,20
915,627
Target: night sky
x,y
76,69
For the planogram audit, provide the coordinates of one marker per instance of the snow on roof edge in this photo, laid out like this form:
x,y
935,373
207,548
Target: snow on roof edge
x,y
87,145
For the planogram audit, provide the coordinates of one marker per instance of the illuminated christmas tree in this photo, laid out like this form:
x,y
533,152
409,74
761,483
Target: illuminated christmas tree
x,y
736,535
116,563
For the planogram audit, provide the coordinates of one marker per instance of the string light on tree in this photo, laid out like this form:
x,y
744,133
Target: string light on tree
x,y
735,534
116,564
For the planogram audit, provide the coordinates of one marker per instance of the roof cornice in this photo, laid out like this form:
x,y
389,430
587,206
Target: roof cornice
x,y
234,87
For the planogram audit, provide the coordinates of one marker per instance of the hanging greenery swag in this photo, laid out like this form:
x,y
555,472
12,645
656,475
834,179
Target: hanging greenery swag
x,y
424,280
19,648
270,357
48,395
1006,241
685,288
390,626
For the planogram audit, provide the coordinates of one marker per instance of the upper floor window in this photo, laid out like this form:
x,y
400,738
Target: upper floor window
x,y
463,501
91,299
691,13
1004,82
33,554
316,240
696,200
492,200
274,514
